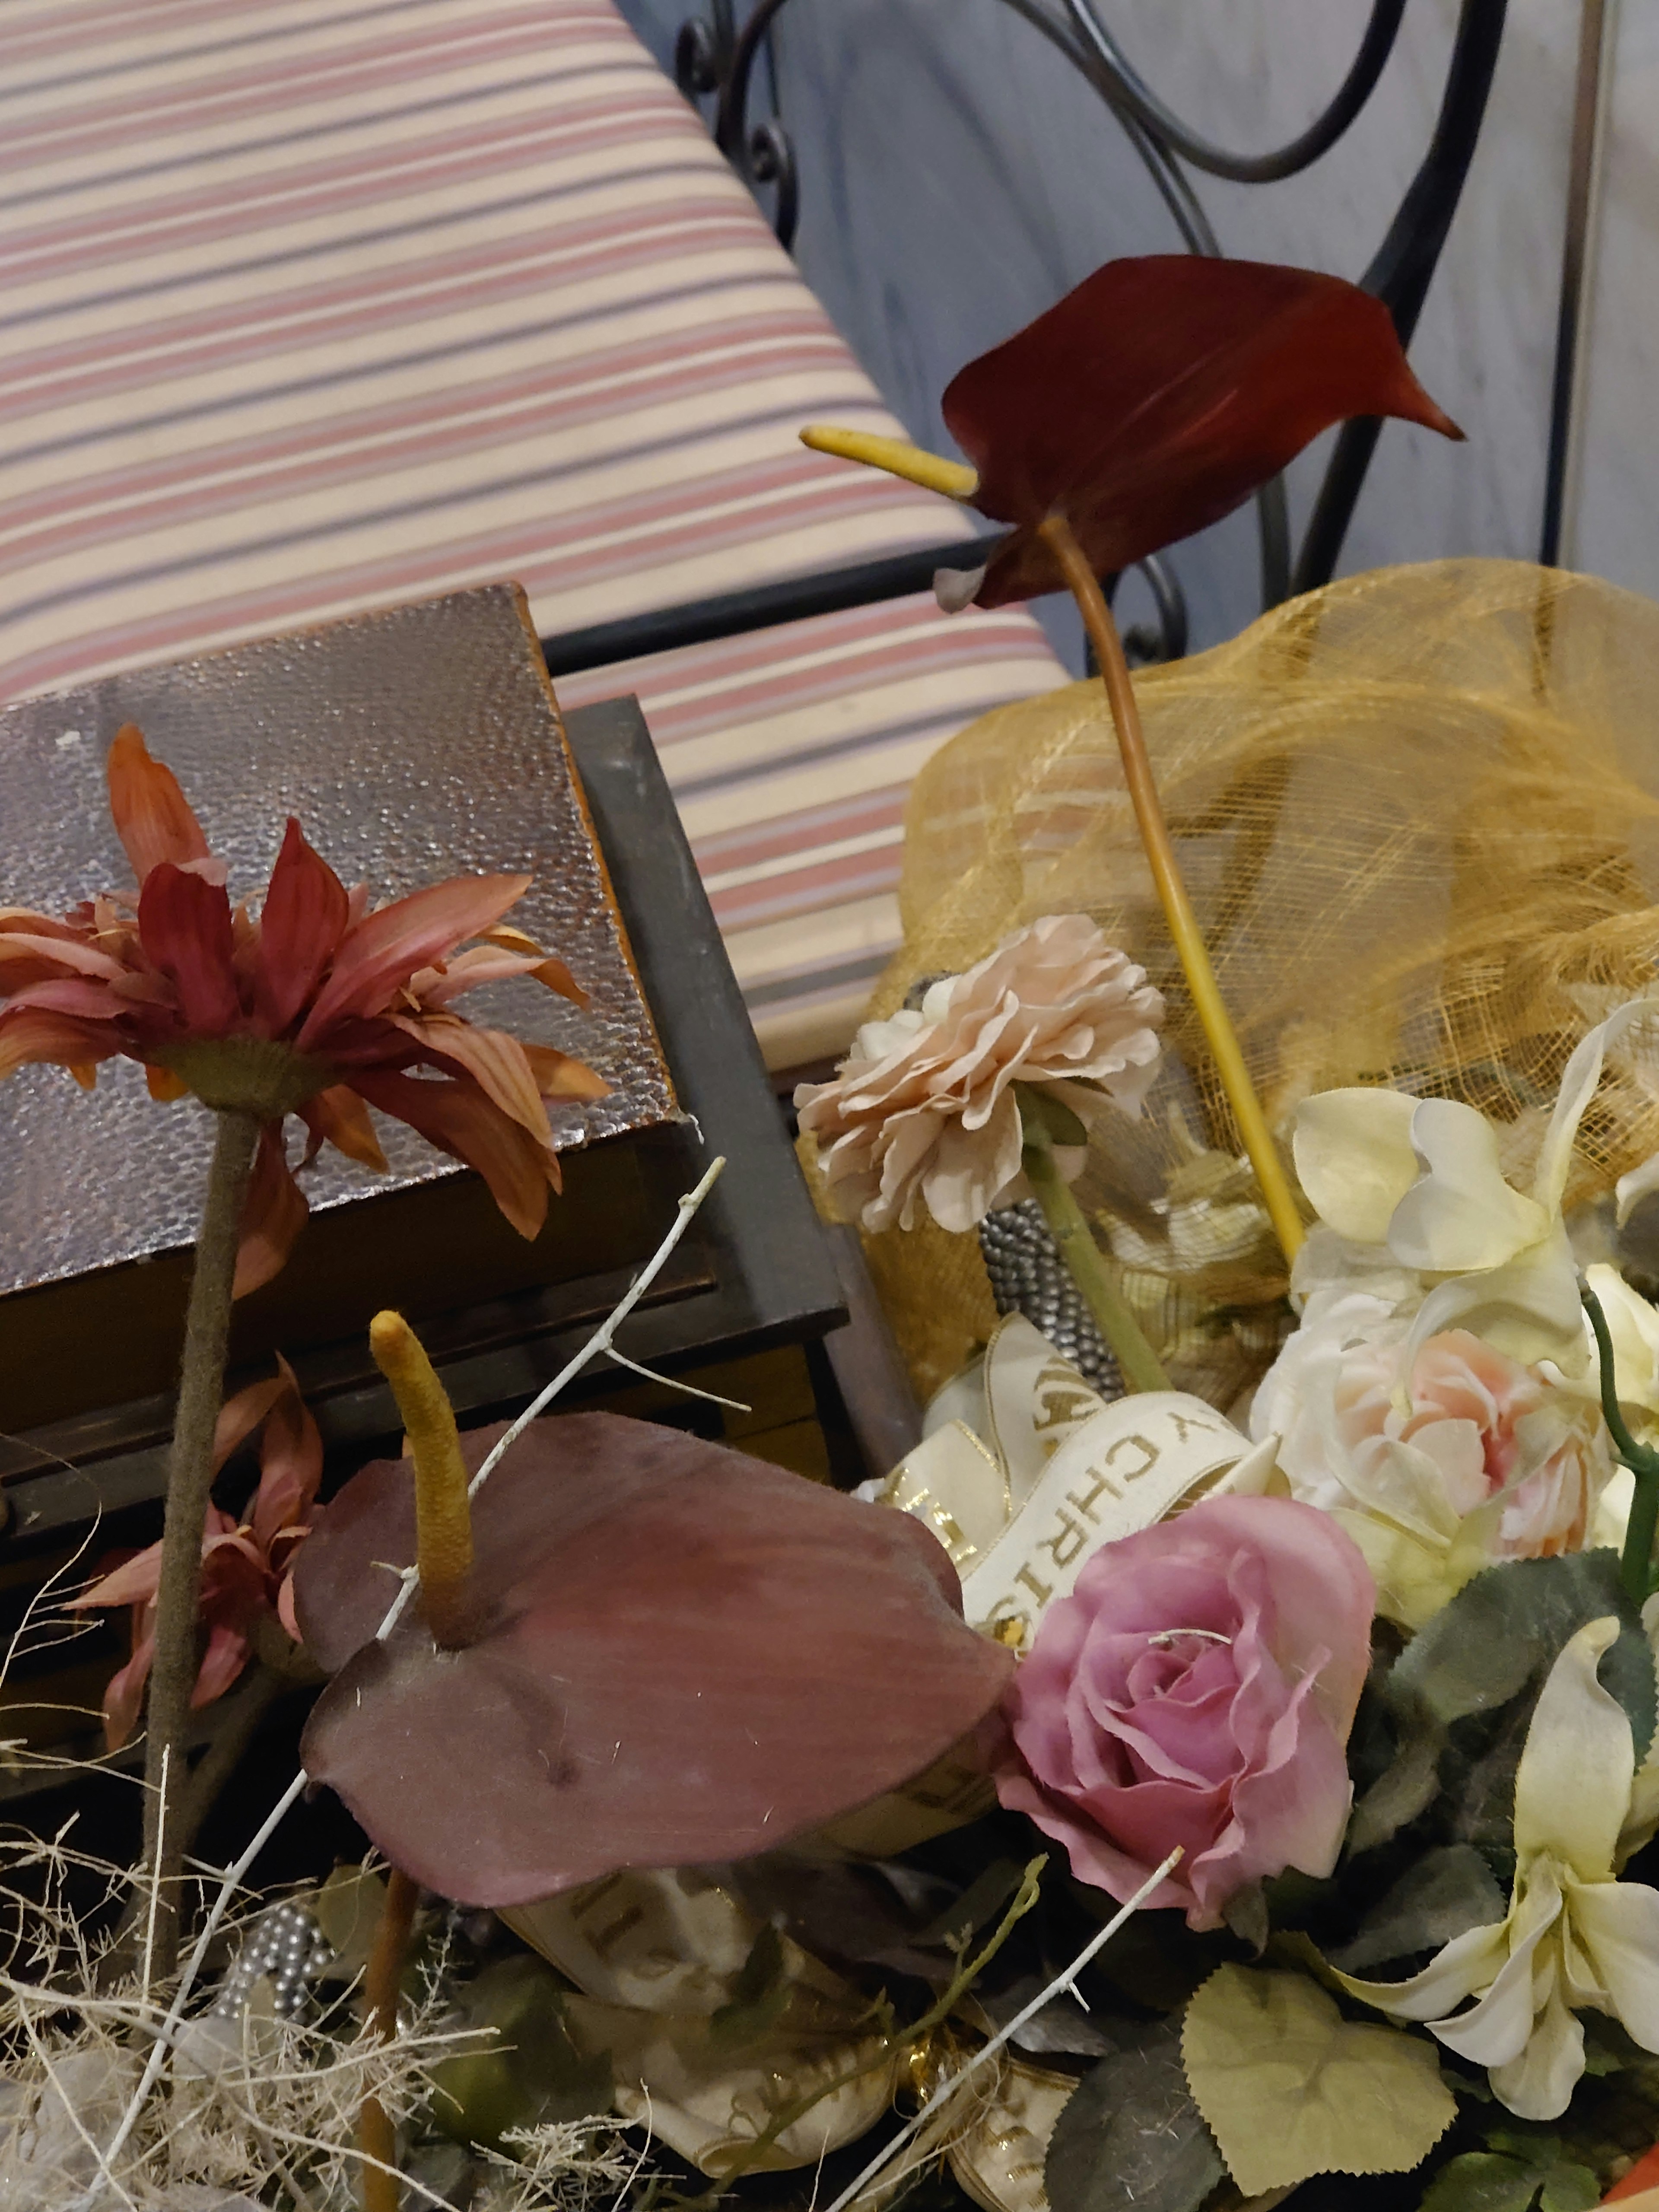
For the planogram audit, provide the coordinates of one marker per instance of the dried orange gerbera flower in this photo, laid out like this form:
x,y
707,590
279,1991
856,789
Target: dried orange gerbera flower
x,y
316,1006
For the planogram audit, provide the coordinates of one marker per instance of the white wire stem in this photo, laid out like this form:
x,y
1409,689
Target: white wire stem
x,y
598,1342
169,2027
600,1339
948,2089
155,1881
674,1383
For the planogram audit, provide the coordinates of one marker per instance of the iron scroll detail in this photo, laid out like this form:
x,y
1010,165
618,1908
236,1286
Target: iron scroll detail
x,y
715,56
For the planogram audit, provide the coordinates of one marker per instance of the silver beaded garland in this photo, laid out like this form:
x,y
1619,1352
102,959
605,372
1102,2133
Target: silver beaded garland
x,y
1027,1276
286,1948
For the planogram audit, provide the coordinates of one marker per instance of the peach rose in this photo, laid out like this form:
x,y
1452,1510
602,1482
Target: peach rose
x,y
1470,1457
923,1111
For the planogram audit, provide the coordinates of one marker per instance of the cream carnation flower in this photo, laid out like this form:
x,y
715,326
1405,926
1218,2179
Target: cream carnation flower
x,y
923,1110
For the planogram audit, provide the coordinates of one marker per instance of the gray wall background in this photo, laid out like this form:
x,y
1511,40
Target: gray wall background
x,y
957,178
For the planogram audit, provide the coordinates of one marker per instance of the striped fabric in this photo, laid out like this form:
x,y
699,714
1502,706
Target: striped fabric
x,y
308,305
790,753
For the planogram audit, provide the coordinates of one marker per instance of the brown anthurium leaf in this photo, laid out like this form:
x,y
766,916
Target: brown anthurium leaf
x,y
1157,396
681,1655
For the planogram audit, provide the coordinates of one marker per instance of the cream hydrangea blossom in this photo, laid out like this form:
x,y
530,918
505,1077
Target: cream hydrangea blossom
x,y
1574,1935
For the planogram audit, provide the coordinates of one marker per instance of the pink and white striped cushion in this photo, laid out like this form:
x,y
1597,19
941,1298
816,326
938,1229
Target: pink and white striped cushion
x,y
307,306
791,754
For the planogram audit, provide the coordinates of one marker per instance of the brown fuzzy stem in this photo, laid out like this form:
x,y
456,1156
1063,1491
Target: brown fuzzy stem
x,y
253,1699
377,2138
189,1483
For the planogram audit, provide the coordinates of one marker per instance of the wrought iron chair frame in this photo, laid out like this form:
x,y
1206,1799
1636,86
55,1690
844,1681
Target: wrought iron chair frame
x,y
716,56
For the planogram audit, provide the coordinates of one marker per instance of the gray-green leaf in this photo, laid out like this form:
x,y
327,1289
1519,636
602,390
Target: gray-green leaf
x,y
1445,1893
1131,2138
1486,1646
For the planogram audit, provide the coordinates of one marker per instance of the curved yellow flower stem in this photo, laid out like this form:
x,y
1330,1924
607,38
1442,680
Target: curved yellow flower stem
x,y
956,481
1189,938
443,1521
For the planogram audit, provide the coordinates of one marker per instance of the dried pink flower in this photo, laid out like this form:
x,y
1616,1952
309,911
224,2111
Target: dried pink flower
x,y
924,1107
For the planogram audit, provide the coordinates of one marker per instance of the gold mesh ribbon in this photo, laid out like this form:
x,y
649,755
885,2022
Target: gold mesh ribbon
x,y
1419,815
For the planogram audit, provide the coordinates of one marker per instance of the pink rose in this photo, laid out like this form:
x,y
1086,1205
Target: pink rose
x,y
1196,1688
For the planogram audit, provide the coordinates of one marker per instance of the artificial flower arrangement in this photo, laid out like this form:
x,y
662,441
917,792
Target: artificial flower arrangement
x,y
1118,1806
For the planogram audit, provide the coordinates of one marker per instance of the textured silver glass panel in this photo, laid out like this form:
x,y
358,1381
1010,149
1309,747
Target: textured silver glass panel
x,y
412,745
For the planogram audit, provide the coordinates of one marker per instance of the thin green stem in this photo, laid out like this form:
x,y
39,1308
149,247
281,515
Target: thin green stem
x,y
1635,1561
1137,1362
190,1484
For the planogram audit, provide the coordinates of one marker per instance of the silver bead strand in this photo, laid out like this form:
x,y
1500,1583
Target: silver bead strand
x,y
1028,1277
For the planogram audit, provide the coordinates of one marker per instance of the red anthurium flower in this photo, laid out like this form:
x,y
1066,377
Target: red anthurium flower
x,y
315,1005
247,1567
674,1654
1157,396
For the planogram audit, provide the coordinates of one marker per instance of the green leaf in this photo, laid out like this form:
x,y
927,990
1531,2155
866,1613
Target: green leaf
x,y
1447,1892
1131,2138
1246,1913
525,2072
348,1909
982,1901
1040,1109
1482,2181
1570,2188
1154,1959
759,1995
1410,1784
1608,2047
1507,1625
1290,2089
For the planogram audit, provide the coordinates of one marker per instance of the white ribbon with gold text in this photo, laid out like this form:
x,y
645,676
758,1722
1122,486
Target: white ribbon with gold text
x,y
1027,1472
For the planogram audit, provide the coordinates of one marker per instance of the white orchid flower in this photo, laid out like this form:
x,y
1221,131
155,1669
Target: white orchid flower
x,y
1574,1935
1421,1177
1633,1331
